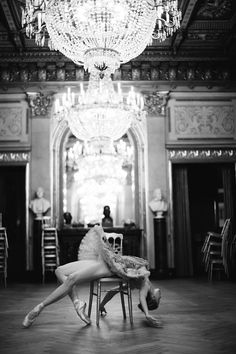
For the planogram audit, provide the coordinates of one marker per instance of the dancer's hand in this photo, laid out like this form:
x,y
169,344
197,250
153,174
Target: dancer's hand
x,y
152,321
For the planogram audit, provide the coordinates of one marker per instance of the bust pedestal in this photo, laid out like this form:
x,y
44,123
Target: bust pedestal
x,y
160,247
37,257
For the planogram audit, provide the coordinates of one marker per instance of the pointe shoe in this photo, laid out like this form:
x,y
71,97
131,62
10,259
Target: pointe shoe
x,y
80,307
31,316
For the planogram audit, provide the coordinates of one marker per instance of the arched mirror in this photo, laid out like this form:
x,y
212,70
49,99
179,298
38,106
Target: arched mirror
x,y
96,174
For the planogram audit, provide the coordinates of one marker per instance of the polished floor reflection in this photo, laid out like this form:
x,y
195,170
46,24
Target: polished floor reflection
x,y
196,316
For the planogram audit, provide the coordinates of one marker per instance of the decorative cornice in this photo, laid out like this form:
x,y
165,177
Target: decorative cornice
x,y
194,154
135,71
14,157
149,55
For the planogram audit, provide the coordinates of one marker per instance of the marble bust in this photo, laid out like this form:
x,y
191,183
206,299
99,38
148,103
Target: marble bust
x,y
157,204
39,205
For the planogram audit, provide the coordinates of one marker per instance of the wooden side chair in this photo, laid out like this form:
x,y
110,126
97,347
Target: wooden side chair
x,y
215,251
3,254
214,237
103,285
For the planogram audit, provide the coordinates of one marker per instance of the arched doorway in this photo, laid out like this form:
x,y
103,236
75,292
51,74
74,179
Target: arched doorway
x,y
137,135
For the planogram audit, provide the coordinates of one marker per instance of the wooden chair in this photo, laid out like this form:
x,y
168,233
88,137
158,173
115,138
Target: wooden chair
x,y
103,285
50,250
215,251
3,254
214,237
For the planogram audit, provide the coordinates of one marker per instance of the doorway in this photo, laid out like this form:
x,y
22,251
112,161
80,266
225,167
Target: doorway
x,y
203,196
12,207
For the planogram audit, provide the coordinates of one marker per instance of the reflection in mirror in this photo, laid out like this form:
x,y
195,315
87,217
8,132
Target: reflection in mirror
x,y
99,173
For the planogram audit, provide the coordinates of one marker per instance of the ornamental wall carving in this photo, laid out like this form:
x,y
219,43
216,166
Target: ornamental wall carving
x,y
202,120
39,104
13,122
155,103
210,9
14,157
192,155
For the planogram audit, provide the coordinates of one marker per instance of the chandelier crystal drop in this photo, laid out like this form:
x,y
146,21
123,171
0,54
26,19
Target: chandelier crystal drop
x,y
100,33
100,111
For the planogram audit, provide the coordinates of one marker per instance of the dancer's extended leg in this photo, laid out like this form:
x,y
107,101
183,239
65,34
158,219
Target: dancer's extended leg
x,y
62,273
78,272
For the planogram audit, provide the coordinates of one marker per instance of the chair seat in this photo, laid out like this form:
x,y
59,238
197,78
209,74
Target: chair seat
x,y
111,279
217,261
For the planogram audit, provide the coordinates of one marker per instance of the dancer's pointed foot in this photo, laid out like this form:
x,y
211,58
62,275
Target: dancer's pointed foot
x,y
80,307
31,316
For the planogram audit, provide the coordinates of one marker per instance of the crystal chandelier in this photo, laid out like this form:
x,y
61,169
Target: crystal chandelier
x,y
100,170
33,20
100,33
100,111
99,163
86,151
168,19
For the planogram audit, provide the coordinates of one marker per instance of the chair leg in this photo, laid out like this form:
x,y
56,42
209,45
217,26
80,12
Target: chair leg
x,y
5,280
122,300
211,271
90,298
130,304
98,301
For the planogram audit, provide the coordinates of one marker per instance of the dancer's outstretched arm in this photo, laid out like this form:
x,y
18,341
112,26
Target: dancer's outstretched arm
x,y
143,291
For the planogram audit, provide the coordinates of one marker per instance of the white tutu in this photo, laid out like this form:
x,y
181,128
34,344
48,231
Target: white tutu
x,y
90,246
94,245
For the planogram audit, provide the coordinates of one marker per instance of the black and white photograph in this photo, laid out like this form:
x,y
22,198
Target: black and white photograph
x,y
118,176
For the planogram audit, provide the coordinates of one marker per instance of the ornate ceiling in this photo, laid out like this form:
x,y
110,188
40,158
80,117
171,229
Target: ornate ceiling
x,y
202,52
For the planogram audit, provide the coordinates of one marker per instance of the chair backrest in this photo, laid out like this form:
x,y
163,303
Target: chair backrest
x,y
46,222
224,245
116,242
3,236
3,249
225,227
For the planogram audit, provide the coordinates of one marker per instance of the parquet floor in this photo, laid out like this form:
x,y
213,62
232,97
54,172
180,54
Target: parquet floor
x,y
197,317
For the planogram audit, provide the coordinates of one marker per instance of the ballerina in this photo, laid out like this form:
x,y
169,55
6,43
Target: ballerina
x,y
96,259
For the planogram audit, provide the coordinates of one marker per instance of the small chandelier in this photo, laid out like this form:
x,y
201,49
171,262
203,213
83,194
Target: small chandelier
x,y
100,162
167,20
82,151
100,111
98,33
